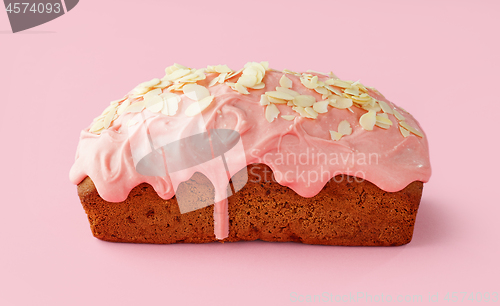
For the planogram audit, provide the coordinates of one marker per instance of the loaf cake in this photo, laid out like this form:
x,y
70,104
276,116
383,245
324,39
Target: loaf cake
x,y
215,154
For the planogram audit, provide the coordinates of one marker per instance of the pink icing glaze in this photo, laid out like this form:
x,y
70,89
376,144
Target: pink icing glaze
x,y
300,152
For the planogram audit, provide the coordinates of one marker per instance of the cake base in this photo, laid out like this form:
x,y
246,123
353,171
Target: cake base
x,y
347,211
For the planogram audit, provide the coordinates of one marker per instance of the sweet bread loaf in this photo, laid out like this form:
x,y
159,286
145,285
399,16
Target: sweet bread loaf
x,y
214,154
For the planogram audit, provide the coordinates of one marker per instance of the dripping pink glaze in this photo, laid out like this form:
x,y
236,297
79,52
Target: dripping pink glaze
x,y
107,158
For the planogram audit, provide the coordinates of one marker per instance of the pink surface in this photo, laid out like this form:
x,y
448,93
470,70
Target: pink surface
x,y
439,61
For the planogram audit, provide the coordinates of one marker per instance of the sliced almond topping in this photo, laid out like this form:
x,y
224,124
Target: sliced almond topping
x,y
336,135
301,111
292,93
171,103
214,81
398,115
352,91
321,107
152,93
385,107
310,83
383,120
248,80
259,86
322,91
154,104
339,83
404,131
144,87
333,90
304,100
341,103
285,82
276,101
196,108
241,89
272,112
123,106
109,117
368,120
222,68
264,100
411,128
345,127
288,117
177,74
311,112
97,126
136,107
222,77
381,125
195,92
279,95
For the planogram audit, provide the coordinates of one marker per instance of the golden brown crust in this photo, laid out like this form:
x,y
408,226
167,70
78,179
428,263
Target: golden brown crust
x,y
344,212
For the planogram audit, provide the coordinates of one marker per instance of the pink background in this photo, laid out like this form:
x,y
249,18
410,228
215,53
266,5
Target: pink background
x,y
437,59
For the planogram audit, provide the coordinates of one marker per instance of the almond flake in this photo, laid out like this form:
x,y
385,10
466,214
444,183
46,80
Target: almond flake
x,y
336,135
333,90
345,127
304,100
383,120
310,83
339,83
196,108
222,69
398,115
177,74
136,107
259,86
285,82
321,107
144,87
381,125
411,129
288,117
196,92
123,106
292,93
322,91
109,118
279,95
171,103
271,112
214,81
264,100
368,120
222,77
99,125
311,112
341,103
352,91
247,80
115,102
276,101
404,131
301,111
241,89
385,107
154,104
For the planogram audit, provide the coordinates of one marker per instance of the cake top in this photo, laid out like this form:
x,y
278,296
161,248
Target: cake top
x,y
308,127
163,96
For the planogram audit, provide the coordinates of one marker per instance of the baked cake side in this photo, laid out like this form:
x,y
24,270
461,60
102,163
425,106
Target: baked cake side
x,y
346,211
